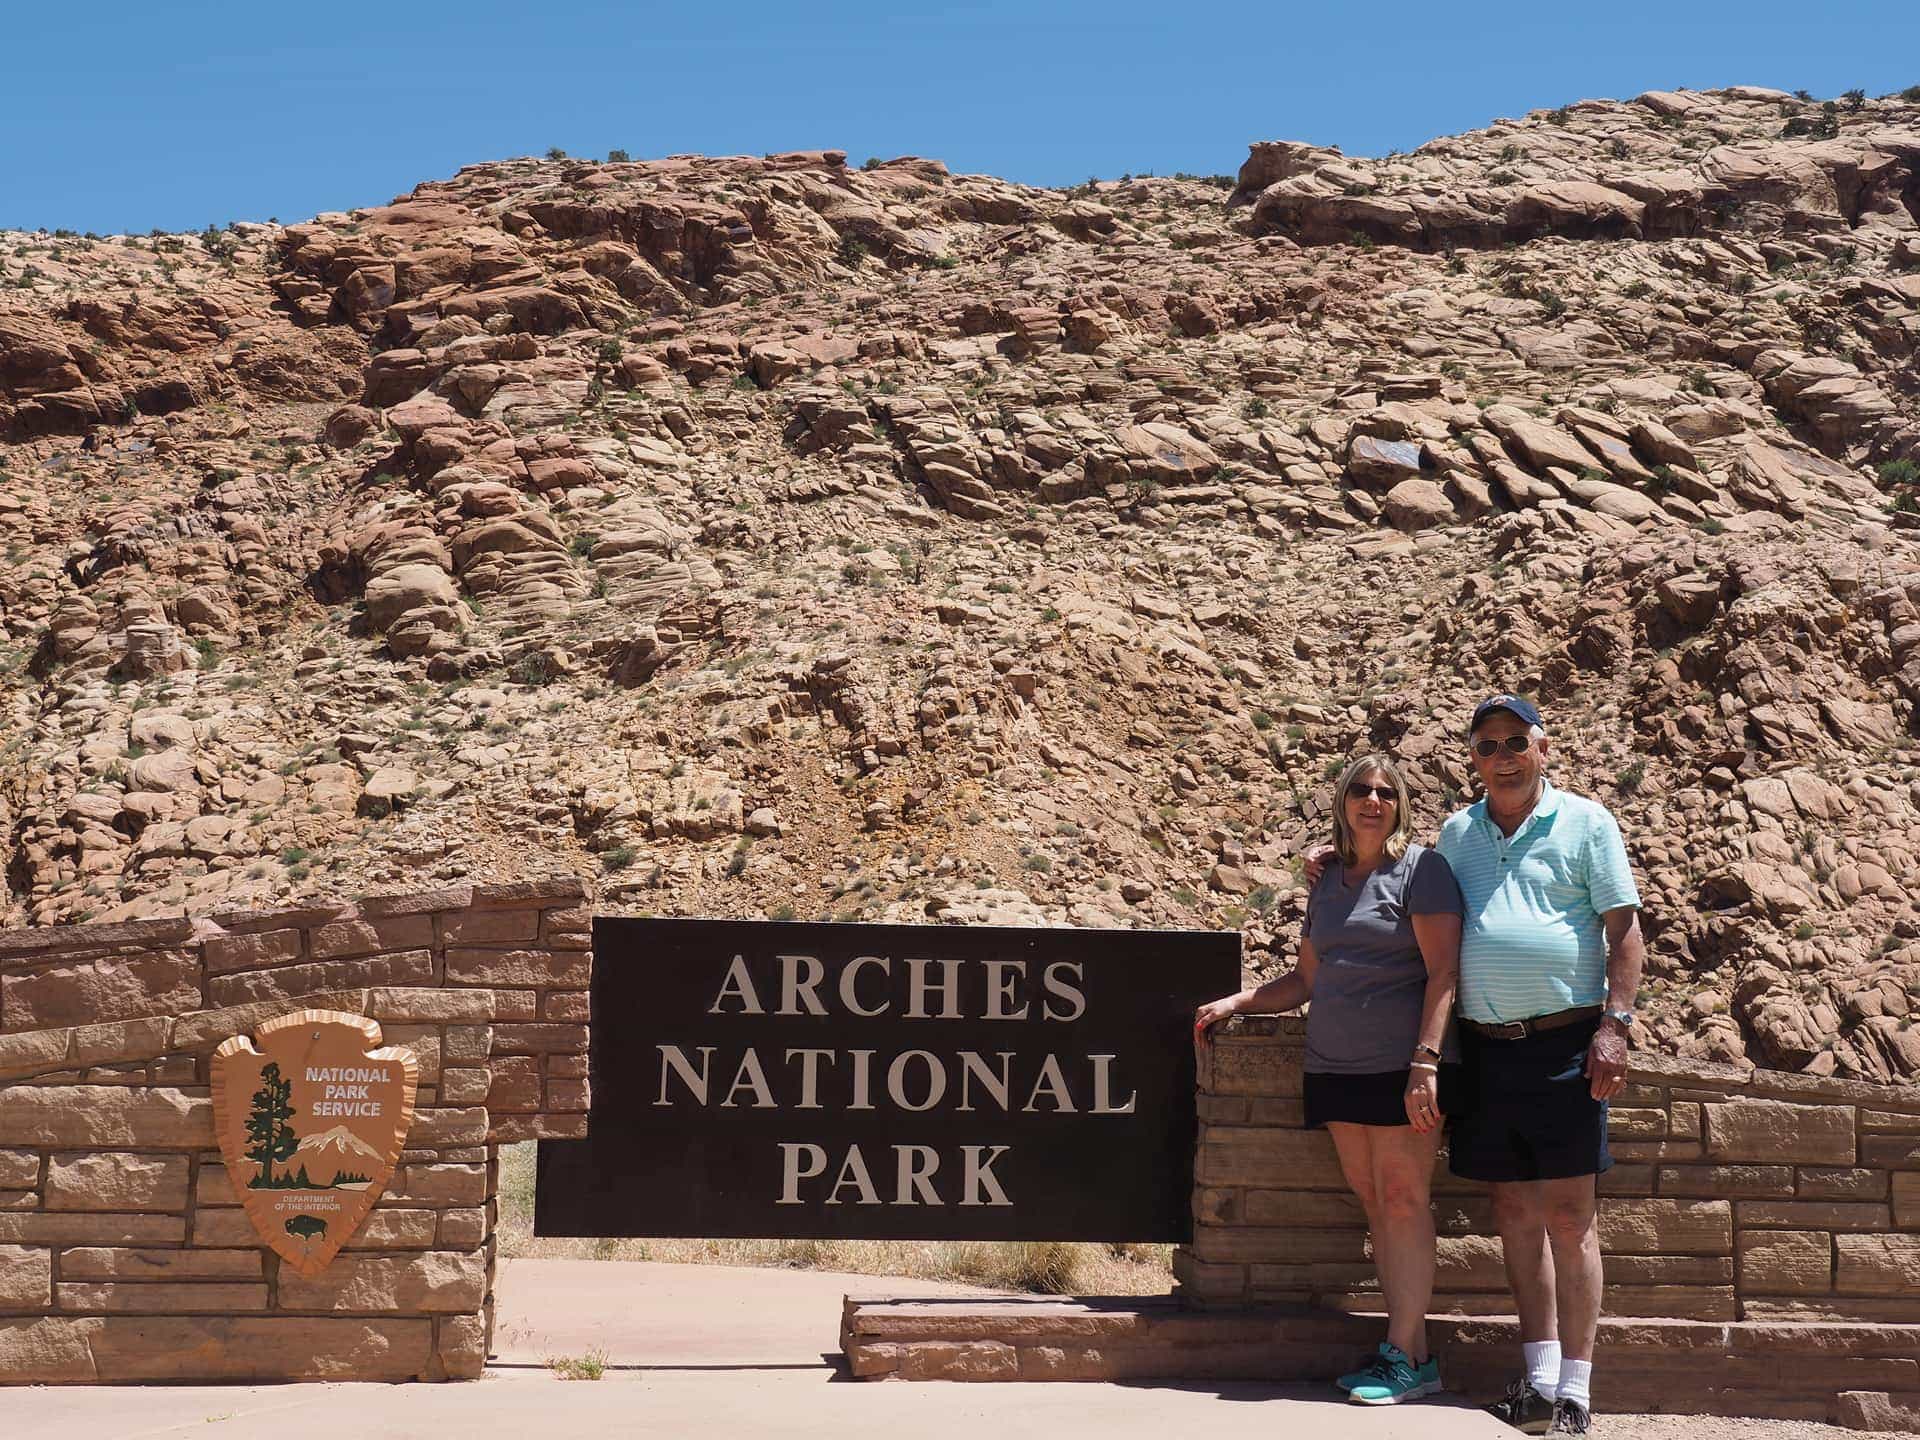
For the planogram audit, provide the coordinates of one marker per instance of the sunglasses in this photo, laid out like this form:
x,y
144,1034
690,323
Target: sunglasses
x,y
1513,745
1383,793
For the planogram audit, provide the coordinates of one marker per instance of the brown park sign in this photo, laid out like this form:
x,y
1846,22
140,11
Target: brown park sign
x,y
311,1125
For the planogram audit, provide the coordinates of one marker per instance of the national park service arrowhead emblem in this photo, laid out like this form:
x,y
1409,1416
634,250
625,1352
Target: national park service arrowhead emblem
x,y
311,1126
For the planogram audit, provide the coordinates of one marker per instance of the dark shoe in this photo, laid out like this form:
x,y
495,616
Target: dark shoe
x,y
1570,1417
1524,1408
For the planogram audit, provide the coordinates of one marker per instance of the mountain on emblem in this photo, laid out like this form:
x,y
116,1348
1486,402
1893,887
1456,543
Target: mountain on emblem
x,y
311,1124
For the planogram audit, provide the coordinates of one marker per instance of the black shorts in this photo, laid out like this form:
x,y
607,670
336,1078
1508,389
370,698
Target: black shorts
x,y
1376,1099
1527,1110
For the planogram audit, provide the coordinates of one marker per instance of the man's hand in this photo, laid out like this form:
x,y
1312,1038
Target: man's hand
x,y
1423,1100
1607,1060
1314,863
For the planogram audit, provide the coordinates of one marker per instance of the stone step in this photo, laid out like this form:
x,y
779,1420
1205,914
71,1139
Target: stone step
x,y
1787,1371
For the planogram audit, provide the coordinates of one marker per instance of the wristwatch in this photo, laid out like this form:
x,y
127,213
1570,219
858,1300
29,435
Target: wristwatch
x,y
1428,1051
1624,1017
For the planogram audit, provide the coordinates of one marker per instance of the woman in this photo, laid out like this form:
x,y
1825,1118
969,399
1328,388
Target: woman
x,y
1378,958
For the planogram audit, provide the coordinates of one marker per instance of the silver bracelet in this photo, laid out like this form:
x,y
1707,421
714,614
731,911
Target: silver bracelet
x,y
1424,1065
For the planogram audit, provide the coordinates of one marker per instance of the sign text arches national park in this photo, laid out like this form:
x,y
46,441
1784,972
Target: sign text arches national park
x,y
887,1081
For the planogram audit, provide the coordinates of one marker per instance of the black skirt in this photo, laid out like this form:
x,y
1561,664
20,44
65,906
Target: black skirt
x,y
1376,1099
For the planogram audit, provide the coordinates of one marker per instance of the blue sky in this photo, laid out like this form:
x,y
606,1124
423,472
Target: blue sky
x,y
127,116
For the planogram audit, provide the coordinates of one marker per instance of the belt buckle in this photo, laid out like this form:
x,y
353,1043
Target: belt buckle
x,y
1513,1030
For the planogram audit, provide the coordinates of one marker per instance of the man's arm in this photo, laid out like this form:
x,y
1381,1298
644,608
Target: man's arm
x,y
1626,954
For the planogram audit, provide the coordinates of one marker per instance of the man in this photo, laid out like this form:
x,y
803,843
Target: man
x,y
1550,957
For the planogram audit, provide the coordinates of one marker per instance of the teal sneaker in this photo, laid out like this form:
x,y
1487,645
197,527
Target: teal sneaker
x,y
1376,1365
1396,1378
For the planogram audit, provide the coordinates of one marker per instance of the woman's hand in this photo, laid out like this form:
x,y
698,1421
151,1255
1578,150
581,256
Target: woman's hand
x,y
1210,1015
1314,863
1423,1099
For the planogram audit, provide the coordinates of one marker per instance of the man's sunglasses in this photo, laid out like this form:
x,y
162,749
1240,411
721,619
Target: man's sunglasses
x,y
1383,793
1513,744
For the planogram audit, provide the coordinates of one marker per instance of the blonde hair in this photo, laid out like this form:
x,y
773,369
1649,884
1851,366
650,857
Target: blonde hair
x,y
1402,835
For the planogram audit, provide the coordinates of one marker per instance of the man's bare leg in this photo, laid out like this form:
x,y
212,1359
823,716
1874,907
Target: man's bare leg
x,y
1575,1242
1520,1215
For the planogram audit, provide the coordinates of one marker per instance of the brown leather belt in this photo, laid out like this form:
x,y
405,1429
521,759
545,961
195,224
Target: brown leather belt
x,y
1520,1029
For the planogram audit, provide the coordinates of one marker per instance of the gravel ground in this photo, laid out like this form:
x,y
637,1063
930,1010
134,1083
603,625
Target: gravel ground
x,y
1715,1427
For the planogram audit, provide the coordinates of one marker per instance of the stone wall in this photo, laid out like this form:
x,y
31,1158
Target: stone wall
x,y
1736,1195
124,1254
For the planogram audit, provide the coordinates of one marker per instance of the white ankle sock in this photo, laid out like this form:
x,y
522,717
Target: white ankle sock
x,y
1543,1366
1576,1378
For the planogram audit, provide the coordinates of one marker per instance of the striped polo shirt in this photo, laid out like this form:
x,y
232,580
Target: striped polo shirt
x,y
1532,942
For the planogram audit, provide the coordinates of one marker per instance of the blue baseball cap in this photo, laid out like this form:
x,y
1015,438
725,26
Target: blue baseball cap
x,y
1512,704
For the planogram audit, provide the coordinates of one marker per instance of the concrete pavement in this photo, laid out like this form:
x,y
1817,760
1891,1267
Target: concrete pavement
x,y
709,1350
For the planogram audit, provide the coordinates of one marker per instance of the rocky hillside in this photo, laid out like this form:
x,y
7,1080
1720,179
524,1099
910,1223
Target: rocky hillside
x,y
770,537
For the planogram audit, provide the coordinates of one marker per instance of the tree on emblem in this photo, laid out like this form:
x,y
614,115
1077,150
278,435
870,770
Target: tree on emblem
x,y
268,1129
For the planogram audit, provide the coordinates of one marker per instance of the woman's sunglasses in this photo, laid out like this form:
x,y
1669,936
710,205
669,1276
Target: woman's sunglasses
x,y
1513,744
1383,793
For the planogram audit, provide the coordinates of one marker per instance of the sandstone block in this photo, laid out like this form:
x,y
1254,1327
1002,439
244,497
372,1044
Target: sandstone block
x,y
26,943
1845,1184
436,1281
1898,1122
512,1129
205,1029
1776,1130
1230,1155
460,1346
120,1040
440,1184
424,1042
263,1347
84,1228
1906,1199
567,1096
1239,1245
492,927
516,1084
104,1117
556,889
223,1228
577,1005
525,969
1643,1270
1683,1120
1726,1181
395,1229
1666,1227
346,938
540,1039
406,967
1813,1214
449,1125
1680,1302
248,952
34,1052
465,1042
465,1086
117,1180
1878,1410
1256,1065
1893,1152
1785,1262
26,1280
111,987
147,1298
1879,1265
463,1229
19,1169
100,1262
435,1007
1637,1124
47,1352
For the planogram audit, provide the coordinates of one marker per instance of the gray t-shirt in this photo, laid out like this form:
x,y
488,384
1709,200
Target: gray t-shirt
x,y
1372,982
